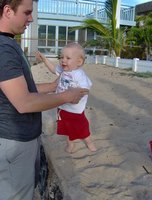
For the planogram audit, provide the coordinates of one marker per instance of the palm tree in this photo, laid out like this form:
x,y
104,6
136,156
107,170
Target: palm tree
x,y
107,34
141,34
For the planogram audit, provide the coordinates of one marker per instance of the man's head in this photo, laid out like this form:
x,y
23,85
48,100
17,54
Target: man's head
x,y
13,4
15,15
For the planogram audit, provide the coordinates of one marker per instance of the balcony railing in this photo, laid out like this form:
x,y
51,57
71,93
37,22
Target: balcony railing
x,y
66,7
85,9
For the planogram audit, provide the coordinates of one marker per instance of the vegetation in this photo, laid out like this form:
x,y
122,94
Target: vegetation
x,y
140,35
18,38
137,74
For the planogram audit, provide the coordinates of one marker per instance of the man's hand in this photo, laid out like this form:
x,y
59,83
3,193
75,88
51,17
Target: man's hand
x,y
53,85
75,94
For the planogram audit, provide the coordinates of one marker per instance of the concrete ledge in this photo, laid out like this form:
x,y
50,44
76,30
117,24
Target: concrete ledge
x,y
60,161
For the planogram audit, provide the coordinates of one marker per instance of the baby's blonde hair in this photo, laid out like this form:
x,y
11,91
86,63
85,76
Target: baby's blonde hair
x,y
76,46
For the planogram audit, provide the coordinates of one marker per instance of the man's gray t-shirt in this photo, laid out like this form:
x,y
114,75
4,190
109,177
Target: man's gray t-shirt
x,y
14,125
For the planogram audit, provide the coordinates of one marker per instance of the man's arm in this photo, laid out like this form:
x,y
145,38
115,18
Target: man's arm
x,y
24,101
47,87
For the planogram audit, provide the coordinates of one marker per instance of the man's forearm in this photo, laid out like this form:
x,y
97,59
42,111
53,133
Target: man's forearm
x,y
36,102
46,87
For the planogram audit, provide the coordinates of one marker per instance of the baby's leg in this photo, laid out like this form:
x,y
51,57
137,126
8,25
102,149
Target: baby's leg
x,y
90,144
70,146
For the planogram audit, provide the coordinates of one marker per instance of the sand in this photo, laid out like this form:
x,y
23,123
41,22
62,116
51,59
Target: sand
x,y
119,110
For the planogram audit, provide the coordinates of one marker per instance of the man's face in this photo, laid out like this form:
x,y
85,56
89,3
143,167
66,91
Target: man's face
x,y
20,19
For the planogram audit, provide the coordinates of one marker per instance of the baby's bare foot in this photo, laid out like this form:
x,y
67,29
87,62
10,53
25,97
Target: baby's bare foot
x,y
70,148
91,146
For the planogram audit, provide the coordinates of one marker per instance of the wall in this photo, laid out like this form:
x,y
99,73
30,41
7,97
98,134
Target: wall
x,y
135,64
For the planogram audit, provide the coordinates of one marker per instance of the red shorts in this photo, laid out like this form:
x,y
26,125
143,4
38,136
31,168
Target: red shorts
x,y
73,125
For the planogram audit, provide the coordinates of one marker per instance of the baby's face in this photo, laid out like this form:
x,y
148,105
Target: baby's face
x,y
70,59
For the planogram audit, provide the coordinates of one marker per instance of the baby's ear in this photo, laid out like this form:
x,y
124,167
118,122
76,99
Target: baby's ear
x,y
80,61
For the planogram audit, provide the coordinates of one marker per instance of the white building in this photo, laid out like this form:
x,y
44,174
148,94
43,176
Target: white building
x,y
53,18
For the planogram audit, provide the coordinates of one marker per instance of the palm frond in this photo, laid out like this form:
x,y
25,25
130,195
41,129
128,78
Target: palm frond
x,y
94,25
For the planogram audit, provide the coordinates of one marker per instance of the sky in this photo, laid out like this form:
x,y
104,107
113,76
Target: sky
x,y
133,2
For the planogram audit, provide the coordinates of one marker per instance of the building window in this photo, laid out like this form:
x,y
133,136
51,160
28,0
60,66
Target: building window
x,y
71,35
42,35
51,39
51,36
81,37
62,36
90,34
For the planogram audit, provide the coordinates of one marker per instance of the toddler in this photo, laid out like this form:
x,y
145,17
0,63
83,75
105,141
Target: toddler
x,y
71,121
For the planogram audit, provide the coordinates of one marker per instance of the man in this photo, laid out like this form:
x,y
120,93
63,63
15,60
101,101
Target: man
x,y
21,103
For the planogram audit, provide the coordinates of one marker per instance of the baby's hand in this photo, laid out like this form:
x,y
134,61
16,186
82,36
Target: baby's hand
x,y
39,56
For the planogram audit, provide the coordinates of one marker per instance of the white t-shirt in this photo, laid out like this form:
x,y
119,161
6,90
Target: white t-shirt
x,y
75,78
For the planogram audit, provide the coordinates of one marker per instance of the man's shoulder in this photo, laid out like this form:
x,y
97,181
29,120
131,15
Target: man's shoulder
x,y
8,43
4,39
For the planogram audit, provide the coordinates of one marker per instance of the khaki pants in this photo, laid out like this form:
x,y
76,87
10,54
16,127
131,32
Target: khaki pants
x,y
17,169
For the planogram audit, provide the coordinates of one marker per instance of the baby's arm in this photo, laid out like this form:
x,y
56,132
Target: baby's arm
x,y
46,61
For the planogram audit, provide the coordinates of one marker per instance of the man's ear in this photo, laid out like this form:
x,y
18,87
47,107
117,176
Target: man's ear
x,y
7,11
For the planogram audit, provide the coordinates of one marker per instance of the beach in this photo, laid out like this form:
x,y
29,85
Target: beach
x,y
119,111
